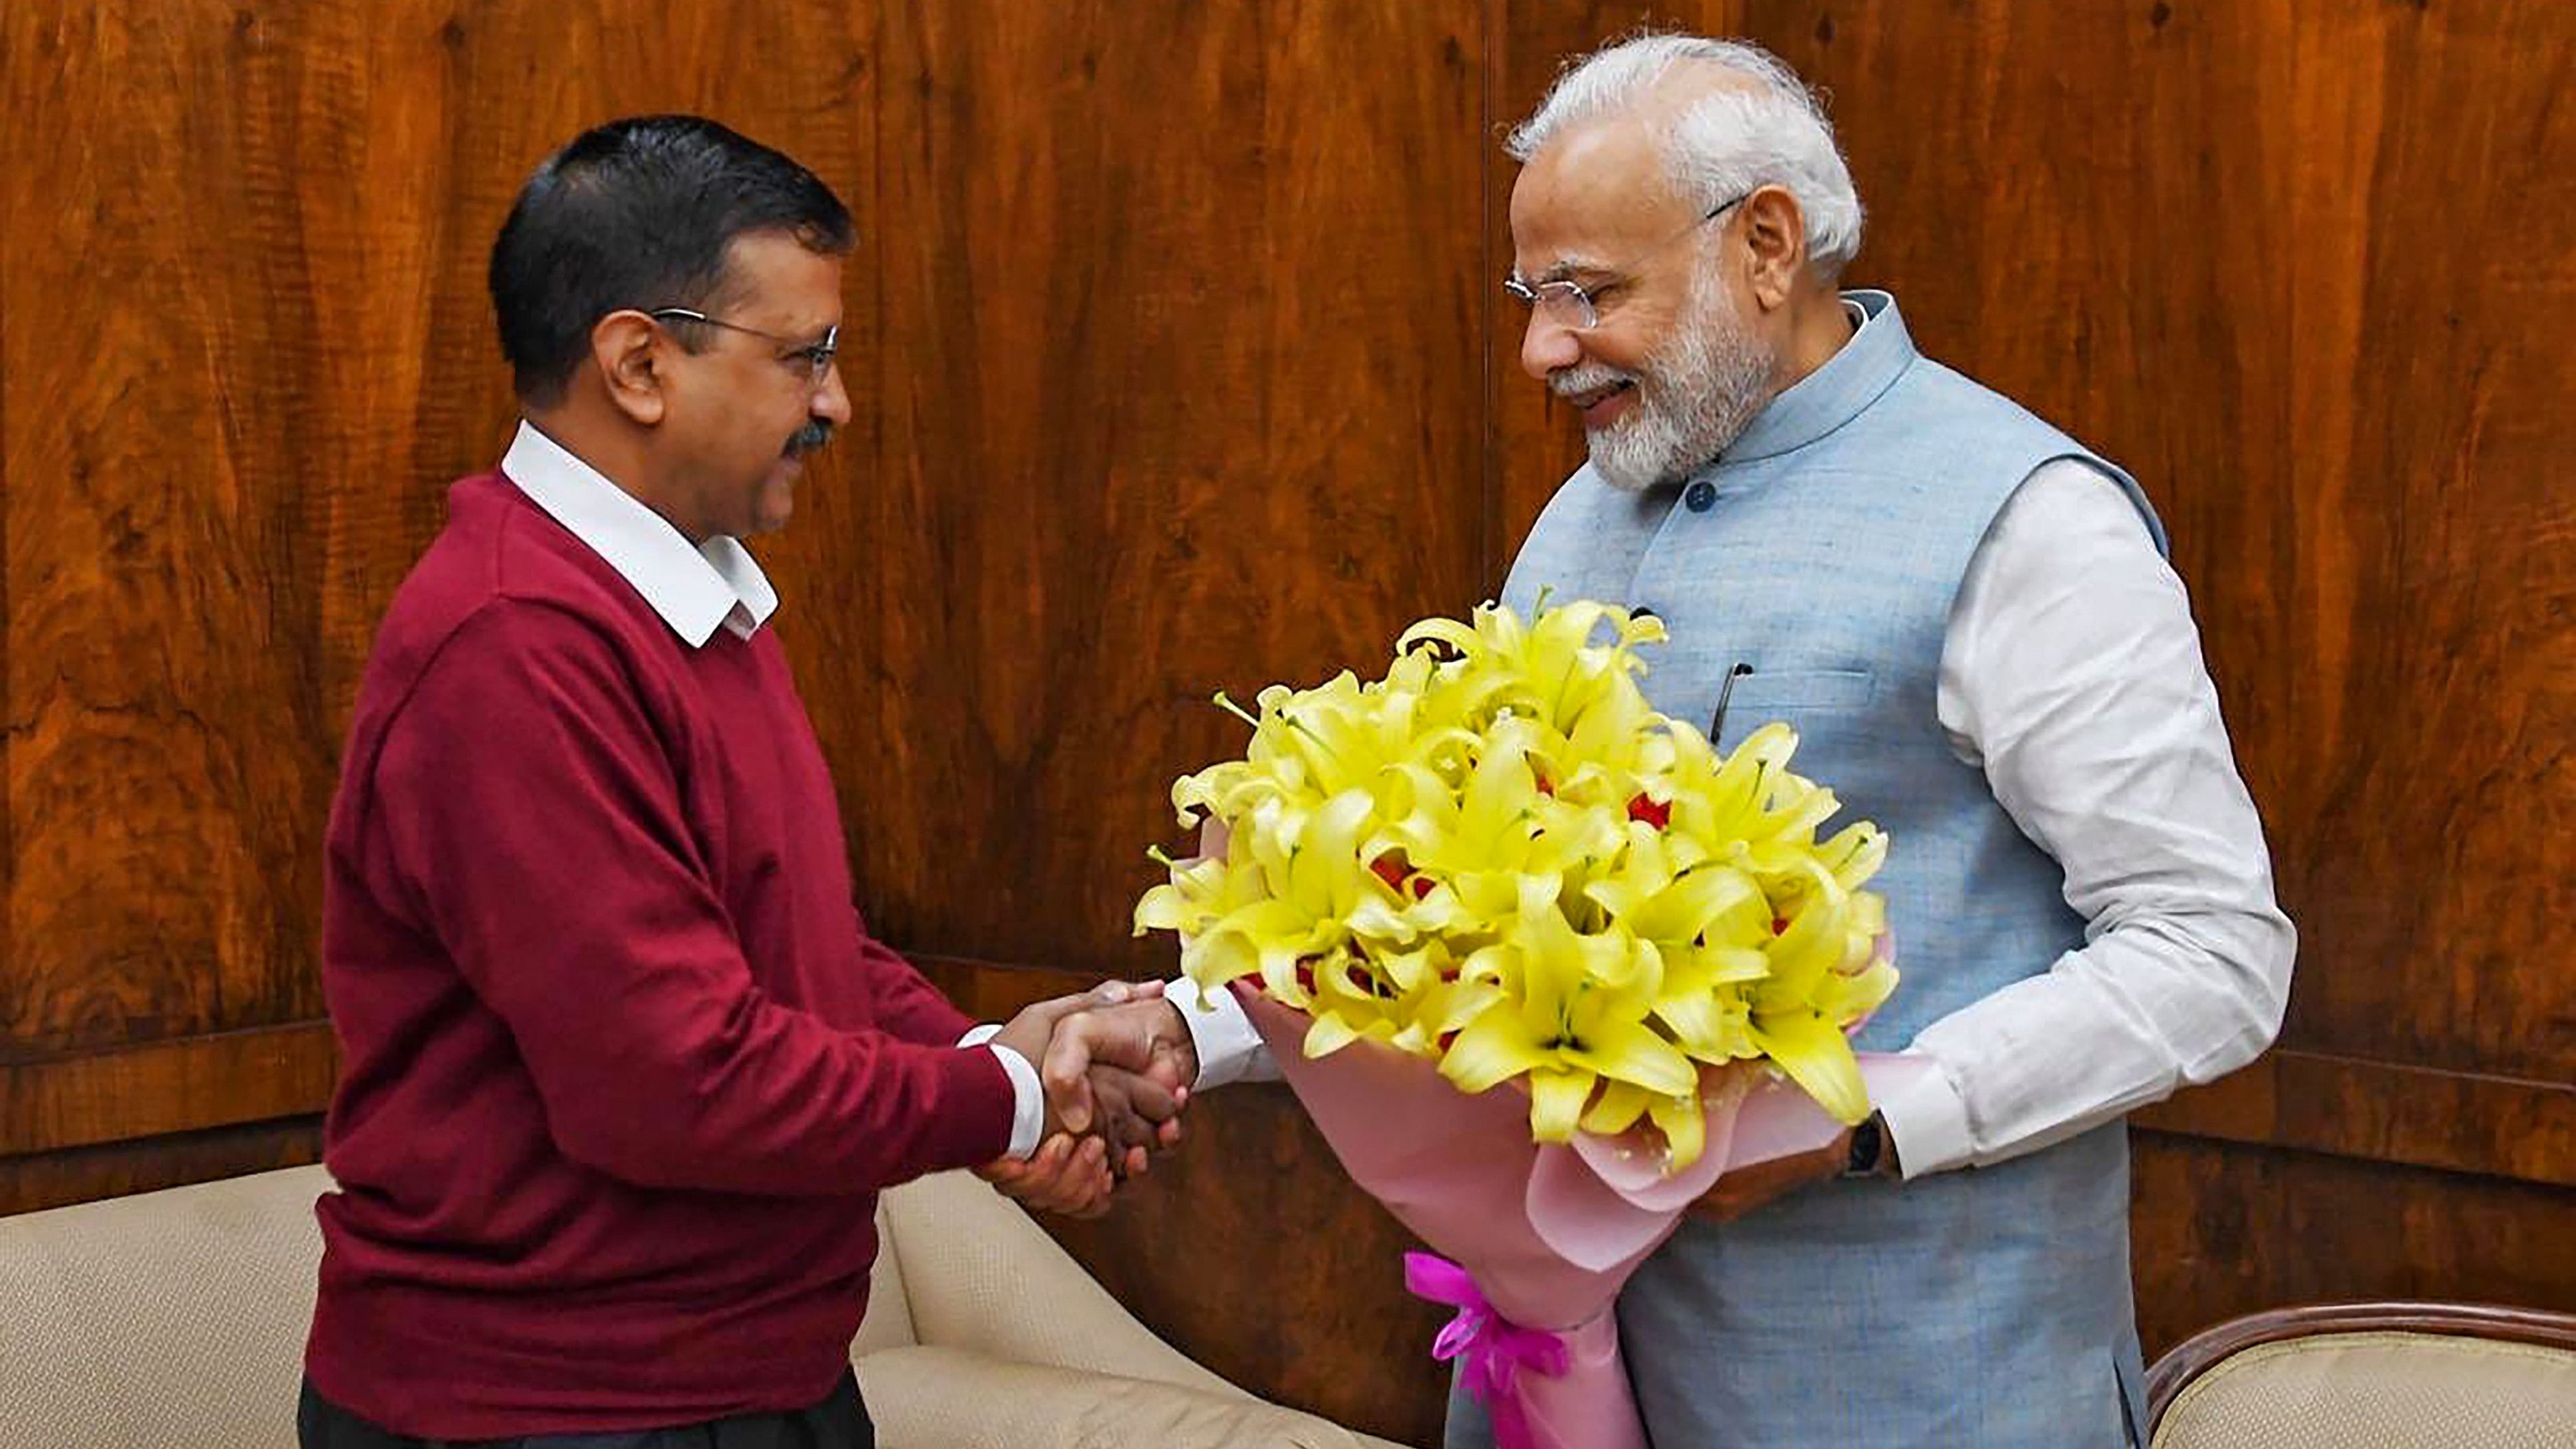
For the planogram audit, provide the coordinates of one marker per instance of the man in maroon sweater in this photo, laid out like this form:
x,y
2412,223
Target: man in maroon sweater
x,y
623,1069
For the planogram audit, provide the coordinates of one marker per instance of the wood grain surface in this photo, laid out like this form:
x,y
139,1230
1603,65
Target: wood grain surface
x,y
1178,365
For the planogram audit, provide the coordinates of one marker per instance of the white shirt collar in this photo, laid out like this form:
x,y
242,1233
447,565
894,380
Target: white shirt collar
x,y
693,588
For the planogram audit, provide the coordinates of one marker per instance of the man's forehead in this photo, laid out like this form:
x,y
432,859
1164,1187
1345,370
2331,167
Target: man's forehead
x,y
775,273
1591,198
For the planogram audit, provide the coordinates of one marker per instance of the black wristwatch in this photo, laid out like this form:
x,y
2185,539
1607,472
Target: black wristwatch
x,y
1871,1155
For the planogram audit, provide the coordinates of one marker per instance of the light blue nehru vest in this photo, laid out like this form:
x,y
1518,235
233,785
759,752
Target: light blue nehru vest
x,y
1983,1307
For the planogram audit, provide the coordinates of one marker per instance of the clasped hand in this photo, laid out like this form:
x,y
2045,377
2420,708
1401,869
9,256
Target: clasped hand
x,y
1116,1062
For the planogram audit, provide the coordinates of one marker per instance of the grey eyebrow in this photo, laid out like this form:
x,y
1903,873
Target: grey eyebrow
x,y
1566,269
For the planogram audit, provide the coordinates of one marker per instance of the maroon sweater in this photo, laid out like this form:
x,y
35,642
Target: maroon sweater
x,y
622,1070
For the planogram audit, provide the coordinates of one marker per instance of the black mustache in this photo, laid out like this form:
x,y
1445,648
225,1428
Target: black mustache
x,y
816,433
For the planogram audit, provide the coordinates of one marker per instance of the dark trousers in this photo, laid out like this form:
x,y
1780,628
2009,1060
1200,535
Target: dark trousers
x,y
840,1421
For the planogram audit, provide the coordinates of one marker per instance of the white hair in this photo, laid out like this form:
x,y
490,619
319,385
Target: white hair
x,y
1724,144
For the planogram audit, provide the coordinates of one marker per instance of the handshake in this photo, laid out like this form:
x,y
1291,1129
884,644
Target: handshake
x,y
1116,1063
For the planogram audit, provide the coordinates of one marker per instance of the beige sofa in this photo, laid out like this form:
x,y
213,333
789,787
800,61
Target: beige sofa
x,y
2367,1375
177,1319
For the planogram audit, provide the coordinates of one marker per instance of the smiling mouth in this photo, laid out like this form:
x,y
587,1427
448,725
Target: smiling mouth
x,y
1592,397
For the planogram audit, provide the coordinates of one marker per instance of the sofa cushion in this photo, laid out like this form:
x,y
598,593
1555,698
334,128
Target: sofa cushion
x,y
170,1318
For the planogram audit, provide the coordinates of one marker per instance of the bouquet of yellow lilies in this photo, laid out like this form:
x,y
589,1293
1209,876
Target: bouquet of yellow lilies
x,y
1497,867
1500,858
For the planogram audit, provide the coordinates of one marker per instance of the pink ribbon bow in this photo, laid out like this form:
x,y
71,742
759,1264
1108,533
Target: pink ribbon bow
x,y
1492,1349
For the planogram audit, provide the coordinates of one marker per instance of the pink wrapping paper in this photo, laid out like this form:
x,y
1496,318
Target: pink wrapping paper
x,y
1549,1233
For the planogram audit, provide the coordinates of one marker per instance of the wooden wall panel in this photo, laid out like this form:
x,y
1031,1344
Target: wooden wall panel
x,y
1179,364
1177,386
1168,378
152,1089
246,346
166,748
52,1179
2434,491
2225,1229
1173,374
2384,1111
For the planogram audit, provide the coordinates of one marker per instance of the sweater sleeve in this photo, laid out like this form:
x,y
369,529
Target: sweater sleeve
x,y
532,806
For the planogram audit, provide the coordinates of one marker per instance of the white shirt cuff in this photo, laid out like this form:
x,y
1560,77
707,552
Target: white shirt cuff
x,y
1028,1108
1928,1121
1228,1047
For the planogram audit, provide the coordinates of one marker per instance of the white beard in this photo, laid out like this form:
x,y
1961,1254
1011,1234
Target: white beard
x,y
1694,397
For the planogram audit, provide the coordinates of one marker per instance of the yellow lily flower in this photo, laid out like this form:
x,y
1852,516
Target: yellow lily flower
x,y
1576,1017
1497,855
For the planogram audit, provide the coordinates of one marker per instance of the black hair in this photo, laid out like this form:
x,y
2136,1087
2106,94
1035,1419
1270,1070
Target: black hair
x,y
638,213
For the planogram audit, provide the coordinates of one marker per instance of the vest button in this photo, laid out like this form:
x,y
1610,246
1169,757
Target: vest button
x,y
1700,496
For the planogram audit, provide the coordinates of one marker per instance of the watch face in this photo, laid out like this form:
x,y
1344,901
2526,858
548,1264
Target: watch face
x,y
1865,1149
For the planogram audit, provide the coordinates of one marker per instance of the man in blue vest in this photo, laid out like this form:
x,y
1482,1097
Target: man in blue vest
x,y
1969,620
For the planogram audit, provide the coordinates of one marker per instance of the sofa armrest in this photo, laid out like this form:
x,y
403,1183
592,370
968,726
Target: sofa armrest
x,y
889,1321
980,1276
946,1398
